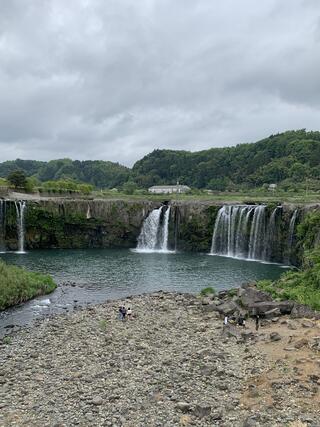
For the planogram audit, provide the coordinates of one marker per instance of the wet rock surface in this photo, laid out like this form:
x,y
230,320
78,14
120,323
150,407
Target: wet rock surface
x,y
173,364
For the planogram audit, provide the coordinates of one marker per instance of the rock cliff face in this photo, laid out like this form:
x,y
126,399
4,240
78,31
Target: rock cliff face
x,y
78,223
57,223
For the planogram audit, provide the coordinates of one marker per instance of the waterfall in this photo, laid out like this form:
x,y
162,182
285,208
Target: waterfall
x,y
218,232
257,233
165,234
271,235
2,225
88,216
239,231
20,208
290,235
154,235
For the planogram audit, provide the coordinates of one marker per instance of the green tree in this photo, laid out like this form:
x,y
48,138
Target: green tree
x,y
129,187
17,178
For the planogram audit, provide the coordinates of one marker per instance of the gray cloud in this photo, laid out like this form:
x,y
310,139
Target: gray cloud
x,y
114,80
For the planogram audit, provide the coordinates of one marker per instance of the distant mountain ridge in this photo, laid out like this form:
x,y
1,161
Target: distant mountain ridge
x,y
292,156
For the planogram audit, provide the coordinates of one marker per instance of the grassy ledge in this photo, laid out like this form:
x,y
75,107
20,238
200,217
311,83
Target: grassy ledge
x,y
301,286
18,285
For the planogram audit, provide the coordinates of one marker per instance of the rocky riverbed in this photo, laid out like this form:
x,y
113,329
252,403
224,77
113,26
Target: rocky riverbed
x,y
173,364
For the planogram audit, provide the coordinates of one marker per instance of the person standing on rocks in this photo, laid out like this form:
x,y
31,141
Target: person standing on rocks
x,y
120,314
241,320
124,312
257,322
129,313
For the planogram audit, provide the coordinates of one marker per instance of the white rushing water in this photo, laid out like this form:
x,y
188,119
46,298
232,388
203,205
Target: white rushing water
x,y
291,236
154,235
165,234
20,209
271,235
243,231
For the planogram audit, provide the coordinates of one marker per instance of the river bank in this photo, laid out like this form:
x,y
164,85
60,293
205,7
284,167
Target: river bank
x,y
172,365
18,285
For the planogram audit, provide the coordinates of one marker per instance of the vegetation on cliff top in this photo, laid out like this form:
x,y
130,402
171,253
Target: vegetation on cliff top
x,y
290,159
98,173
286,158
18,285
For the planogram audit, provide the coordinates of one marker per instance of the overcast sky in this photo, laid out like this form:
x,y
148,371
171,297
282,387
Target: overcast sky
x,y
115,79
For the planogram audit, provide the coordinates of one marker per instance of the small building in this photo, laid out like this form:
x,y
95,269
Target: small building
x,y
169,189
272,187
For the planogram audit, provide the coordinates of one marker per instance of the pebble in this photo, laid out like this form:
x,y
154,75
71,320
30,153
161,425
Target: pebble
x,y
168,366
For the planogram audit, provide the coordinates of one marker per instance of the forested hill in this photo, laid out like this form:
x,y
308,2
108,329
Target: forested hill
x,y
96,172
288,158
291,156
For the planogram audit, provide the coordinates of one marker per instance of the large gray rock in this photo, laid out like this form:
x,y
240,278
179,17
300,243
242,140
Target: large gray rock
x,y
209,308
284,307
273,313
300,311
251,295
228,308
274,336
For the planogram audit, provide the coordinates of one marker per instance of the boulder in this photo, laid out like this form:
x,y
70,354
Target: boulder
x,y
274,313
300,311
222,294
202,411
228,308
284,307
250,295
274,336
301,343
231,331
209,308
183,407
97,400
250,422
307,324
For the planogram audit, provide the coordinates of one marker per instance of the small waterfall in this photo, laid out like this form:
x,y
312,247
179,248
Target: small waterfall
x,y
165,234
218,232
291,235
2,225
154,235
257,233
88,215
20,208
239,231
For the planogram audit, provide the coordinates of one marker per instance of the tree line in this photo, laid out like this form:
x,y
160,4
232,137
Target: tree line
x,y
288,159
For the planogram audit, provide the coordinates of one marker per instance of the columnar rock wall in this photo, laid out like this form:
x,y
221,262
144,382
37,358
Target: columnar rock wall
x,y
79,223
100,223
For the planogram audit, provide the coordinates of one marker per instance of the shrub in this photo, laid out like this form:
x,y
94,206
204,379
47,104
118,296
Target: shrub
x,y
7,340
208,291
301,286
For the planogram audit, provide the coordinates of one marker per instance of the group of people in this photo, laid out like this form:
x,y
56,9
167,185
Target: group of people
x,y
241,321
235,320
125,313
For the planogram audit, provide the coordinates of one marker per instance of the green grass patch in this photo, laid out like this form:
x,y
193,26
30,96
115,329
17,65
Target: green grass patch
x,y
18,285
103,324
256,195
208,291
7,340
232,292
301,286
